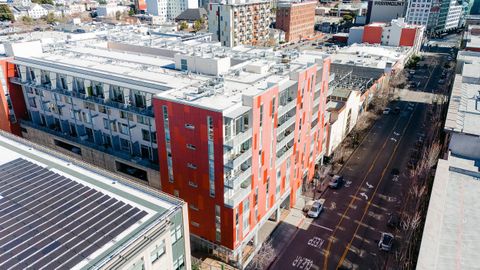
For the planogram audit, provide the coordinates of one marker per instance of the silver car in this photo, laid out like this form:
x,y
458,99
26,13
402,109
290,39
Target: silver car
x,y
315,210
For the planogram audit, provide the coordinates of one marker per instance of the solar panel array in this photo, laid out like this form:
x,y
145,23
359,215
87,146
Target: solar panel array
x,y
49,221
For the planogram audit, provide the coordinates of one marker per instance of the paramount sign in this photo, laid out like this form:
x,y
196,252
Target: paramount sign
x,y
389,3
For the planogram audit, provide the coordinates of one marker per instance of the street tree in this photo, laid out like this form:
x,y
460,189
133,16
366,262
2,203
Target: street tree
x,y
183,25
27,20
265,255
50,18
6,13
197,25
41,2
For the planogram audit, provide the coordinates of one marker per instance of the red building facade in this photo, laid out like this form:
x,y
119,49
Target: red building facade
x,y
12,102
286,142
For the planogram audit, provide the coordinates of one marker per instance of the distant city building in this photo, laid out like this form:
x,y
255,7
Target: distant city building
x,y
141,6
110,10
395,33
385,10
296,19
437,16
59,213
169,9
237,22
475,9
472,38
192,14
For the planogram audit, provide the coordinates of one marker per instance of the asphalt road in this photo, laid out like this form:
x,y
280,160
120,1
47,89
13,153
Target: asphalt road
x,y
346,234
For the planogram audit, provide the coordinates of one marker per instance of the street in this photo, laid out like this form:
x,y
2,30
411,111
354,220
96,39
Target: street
x,y
347,232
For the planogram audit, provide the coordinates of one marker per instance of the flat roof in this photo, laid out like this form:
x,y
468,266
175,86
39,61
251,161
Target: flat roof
x,y
57,214
464,110
450,237
367,55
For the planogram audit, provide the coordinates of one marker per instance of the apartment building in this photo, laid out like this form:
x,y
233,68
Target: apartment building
x,y
60,213
168,10
201,131
296,19
396,33
239,147
237,22
437,15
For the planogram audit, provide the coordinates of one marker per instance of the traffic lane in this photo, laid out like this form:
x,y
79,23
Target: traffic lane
x,y
299,251
364,251
350,225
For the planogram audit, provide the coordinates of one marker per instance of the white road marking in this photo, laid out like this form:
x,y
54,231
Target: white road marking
x,y
302,263
393,139
369,186
396,133
348,183
319,226
364,195
316,242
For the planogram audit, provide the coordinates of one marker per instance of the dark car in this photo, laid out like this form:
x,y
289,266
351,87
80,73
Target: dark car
x,y
336,182
393,221
386,241
396,110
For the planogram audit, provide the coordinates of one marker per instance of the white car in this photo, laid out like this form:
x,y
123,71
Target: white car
x,y
387,111
315,210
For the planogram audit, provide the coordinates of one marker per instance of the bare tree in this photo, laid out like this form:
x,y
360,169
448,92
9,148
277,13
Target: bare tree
x,y
264,257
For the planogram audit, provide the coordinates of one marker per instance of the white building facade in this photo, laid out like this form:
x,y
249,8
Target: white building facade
x,y
168,10
239,22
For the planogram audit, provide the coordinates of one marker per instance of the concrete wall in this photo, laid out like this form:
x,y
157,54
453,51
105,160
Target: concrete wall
x,y
355,35
89,155
204,65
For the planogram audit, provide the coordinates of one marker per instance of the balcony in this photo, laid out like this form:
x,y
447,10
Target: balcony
x,y
236,160
285,121
285,137
233,199
109,103
235,181
120,154
291,103
239,138
284,153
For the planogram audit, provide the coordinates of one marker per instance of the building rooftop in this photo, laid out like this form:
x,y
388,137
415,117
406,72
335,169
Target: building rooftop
x,y
472,37
65,214
368,55
464,109
450,237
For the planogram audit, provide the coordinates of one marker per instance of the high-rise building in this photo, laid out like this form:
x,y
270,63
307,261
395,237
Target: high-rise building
x,y
438,15
385,10
236,134
58,213
169,9
237,22
296,19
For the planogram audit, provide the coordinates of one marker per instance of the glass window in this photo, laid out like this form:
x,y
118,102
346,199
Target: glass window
x,y
184,65
123,128
146,135
158,251
211,156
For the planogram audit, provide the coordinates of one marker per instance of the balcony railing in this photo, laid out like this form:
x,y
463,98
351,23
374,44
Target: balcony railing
x,y
109,103
282,126
283,141
123,155
238,178
239,138
235,160
238,196
285,153
282,109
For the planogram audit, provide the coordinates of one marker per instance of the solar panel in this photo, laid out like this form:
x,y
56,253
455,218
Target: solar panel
x,y
49,221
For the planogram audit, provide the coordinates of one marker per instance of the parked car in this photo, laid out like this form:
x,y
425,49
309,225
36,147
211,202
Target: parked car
x,y
396,110
336,182
386,111
386,241
315,210
393,221
412,72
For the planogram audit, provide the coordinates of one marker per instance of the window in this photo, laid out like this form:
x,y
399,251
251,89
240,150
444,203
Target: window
x,y
167,143
176,233
158,251
192,184
143,120
261,114
191,146
193,206
218,224
191,166
32,102
195,224
211,156
183,64
179,263
125,144
123,128
146,136
189,126
89,106
106,123
126,115
101,109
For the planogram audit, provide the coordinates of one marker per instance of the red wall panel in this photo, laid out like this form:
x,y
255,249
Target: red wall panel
x,y
407,37
372,34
